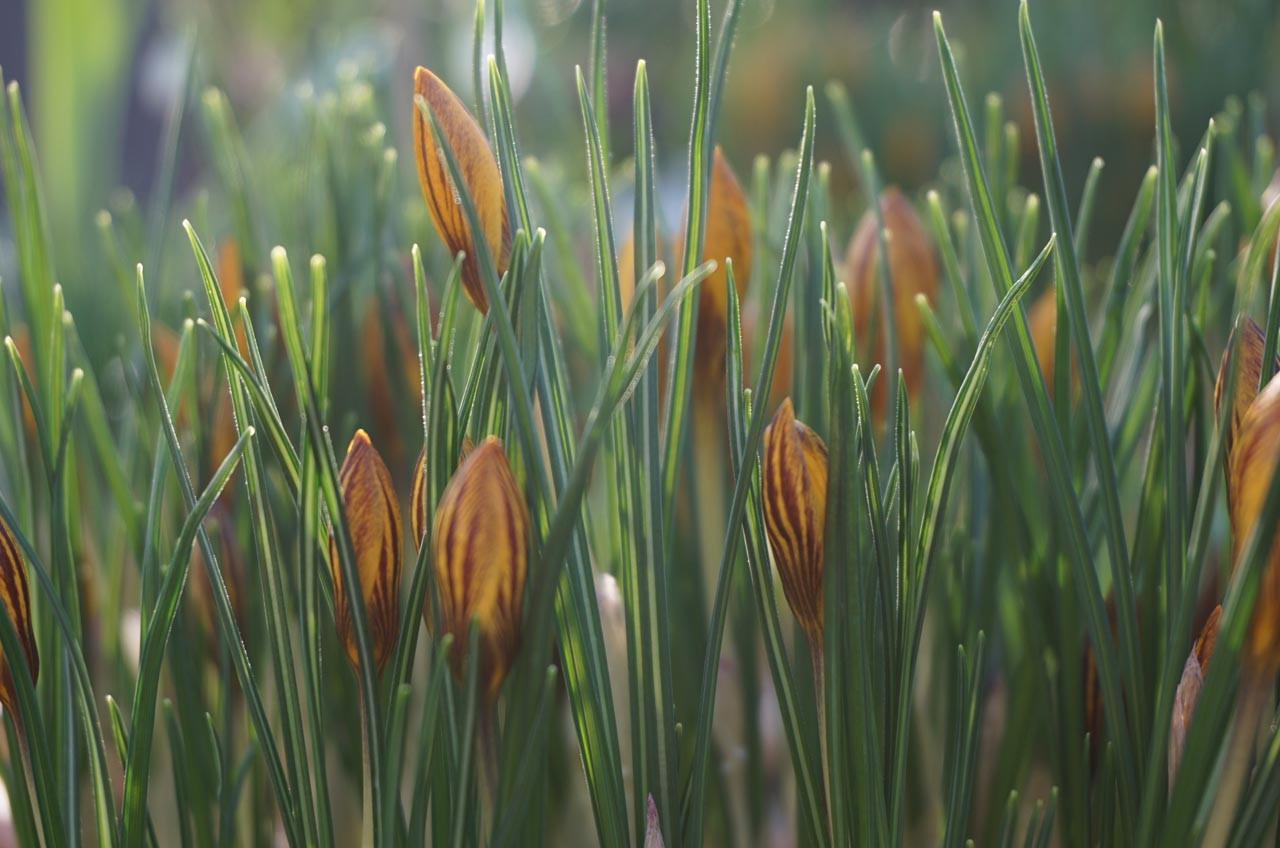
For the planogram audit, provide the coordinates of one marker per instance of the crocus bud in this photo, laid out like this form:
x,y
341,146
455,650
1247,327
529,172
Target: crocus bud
x,y
795,512
1094,719
380,329
373,517
13,589
913,269
728,236
479,171
220,525
1184,703
418,496
1042,320
418,499
652,826
1250,465
481,550
1248,378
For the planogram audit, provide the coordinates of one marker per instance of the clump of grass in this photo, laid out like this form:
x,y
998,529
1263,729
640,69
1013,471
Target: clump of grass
x,y
999,638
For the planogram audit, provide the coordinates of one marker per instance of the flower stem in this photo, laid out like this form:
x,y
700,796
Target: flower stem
x,y
819,688
1255,694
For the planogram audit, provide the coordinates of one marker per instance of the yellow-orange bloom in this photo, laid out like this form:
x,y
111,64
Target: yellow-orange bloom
x,y
728,236
373,517
13,589
481,550
913,268
795,513
479,171
1248,378
1251,462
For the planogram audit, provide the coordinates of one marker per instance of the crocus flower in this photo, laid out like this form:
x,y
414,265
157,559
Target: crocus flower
x,y
913,269
479,171
795,509
17,600
480,544
373,517
1251,462
1184,704
728,236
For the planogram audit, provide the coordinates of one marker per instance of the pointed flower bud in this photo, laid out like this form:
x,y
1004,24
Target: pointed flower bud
x,y
481,549
652,826
1094,719
1251,462
418,499
913,269
1248,378
418,496
13,589
795,511
728,236
479,171
373,517
1042,320
1184,703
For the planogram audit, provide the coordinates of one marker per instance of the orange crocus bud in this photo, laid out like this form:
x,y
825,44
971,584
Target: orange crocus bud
x,y
913,268
1042,319
1248,378
373,518
1251,462
481,549
795,512
728,236
1184,704
479,171
382,390
13,589
418,497
226,546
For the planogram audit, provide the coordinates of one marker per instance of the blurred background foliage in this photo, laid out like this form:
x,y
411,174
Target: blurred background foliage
x,y
102,75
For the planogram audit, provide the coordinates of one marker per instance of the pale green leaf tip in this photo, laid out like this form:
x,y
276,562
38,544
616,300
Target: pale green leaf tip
x,y
318,262
278,254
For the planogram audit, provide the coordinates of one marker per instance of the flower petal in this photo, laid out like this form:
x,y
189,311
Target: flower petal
x,y
479,171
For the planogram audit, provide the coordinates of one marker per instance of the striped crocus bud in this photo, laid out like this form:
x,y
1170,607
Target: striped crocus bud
x,y
373,517
795,512
1184,703
913,269
1251,462
479,171
481,549
418,495
418,499
13,587
728,236
1248,378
